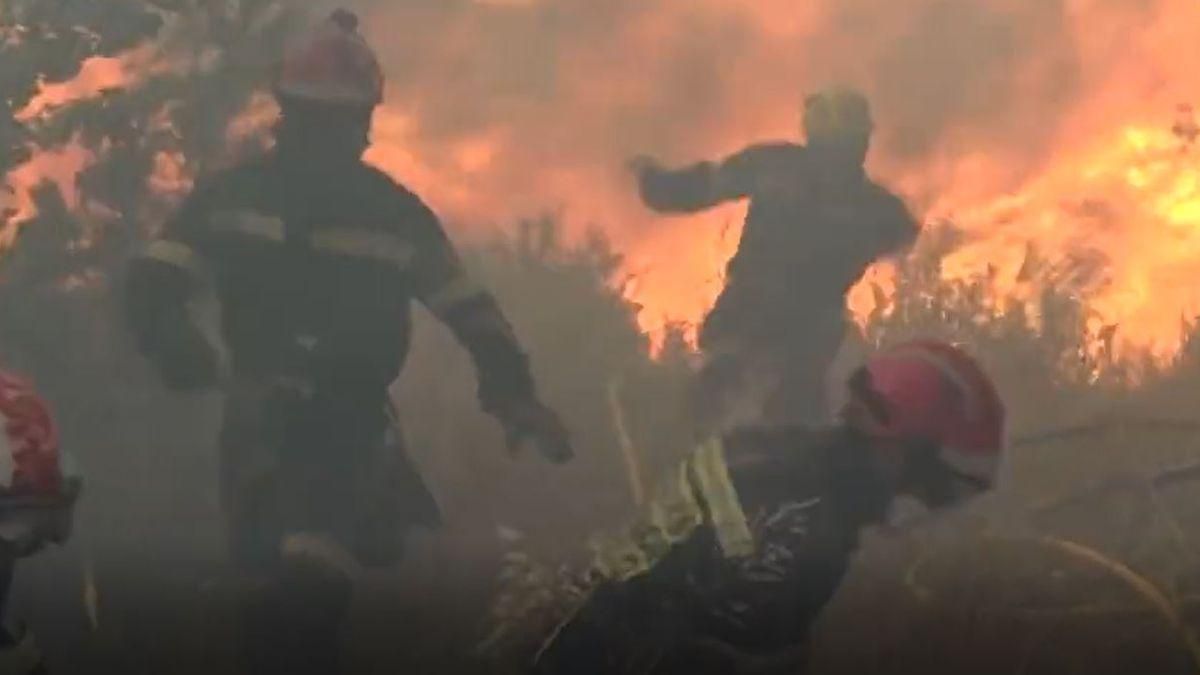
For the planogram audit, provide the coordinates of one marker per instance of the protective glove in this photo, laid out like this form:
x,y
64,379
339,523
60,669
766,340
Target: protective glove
x,y
532,423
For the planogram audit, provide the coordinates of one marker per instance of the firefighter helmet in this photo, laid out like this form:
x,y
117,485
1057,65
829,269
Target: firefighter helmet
x,y
931,391
332,65
29,455
836,113
38,490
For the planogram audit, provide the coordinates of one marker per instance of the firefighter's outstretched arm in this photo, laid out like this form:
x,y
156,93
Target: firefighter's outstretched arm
x,y
506,386
159,285
696,187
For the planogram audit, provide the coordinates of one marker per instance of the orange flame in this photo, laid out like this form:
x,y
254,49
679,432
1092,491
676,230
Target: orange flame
x,y
97,75
253,123
1114,208
170,176
59,166
1016,120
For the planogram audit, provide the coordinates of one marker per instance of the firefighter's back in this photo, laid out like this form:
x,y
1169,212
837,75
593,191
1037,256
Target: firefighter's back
x,y
808,237
310,274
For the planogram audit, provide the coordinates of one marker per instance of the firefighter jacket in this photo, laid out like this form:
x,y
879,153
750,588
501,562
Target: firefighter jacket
x,y
742,546
315,280
809,236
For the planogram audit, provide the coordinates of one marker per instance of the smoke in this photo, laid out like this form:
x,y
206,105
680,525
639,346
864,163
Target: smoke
x,y
508,108
503,110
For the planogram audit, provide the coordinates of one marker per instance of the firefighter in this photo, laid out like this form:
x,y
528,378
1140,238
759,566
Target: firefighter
x,y
750,537
315,258
37,503
814,225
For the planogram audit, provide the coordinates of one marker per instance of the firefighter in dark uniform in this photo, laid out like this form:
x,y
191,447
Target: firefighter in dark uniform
x,y
815,223
315,258
749,539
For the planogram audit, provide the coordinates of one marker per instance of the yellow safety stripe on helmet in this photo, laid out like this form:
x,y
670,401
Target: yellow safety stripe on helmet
x,y
452,294
249,224
673,514
720,499
835,113
174,253
368,244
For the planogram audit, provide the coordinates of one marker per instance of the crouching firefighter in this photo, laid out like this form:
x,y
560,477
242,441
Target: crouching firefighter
x,y
752,535
315,258
37,504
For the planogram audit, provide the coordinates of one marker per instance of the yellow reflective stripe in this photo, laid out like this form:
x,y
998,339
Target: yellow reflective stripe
x,y
174,253
452,294
250,224
619,558
672,516
721,499
369,244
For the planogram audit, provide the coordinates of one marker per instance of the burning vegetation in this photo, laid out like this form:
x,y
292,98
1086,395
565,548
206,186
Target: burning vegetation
x,y
1057,178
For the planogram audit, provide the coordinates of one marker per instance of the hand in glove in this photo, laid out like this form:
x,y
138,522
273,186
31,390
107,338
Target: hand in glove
x,y
532,423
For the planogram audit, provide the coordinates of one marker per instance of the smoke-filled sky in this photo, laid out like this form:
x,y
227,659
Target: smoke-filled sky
x,y
503,109
1044,122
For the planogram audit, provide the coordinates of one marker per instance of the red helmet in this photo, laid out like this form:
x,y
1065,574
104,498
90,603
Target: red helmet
x,y
29,442
333,65
932,391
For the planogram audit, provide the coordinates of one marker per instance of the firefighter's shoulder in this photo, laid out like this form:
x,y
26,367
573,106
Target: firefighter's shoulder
x,y
884,199
238,182
768,155
382,191
889,216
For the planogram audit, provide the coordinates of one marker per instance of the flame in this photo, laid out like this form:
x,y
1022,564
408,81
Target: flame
x,y
170,177
62,165
58,166
1113,209
97,75
254,122
1121,220
1014,120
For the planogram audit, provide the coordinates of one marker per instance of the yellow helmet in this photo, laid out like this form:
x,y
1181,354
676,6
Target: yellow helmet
x,y
836,113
